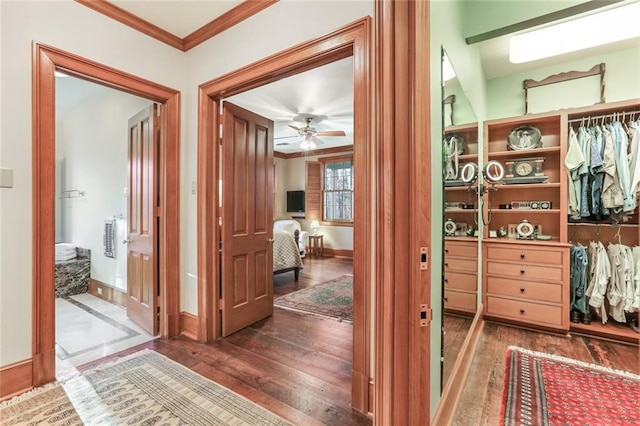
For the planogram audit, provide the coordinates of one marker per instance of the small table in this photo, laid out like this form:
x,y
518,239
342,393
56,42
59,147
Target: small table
x,y
316,245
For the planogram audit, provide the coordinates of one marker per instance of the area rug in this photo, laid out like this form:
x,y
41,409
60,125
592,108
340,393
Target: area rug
x,y
544,389
145,388
330,299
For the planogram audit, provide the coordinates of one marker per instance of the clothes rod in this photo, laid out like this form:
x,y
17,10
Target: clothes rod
x,y
610,115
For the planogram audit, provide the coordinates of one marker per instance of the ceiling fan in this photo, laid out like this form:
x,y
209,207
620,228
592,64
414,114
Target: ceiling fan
x,y
310,134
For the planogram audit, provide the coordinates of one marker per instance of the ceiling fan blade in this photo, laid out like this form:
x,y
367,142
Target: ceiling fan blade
x,y
332,133
294,128
317,141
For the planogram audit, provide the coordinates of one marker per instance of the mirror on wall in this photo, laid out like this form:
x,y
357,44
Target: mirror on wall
x,y
460,173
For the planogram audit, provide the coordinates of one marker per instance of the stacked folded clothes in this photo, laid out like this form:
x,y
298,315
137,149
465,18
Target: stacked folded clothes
x,y
65,251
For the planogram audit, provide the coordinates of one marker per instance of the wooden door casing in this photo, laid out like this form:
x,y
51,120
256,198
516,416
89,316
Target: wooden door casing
x,y
142,271
247,225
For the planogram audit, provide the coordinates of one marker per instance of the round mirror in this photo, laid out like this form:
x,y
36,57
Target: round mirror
x,y
469,173
493,171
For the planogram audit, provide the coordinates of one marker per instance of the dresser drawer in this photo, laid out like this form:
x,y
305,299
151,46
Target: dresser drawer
x,y
525,254
462,265
525,289
459,281
525,271
461,250
460,301
538,314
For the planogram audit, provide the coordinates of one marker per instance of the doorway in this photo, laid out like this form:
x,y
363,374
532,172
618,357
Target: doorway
x,y
46,61
352,40
99,134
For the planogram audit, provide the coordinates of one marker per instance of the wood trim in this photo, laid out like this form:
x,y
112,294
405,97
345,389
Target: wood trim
x,y
189,325
335,159
243,11
446,410
325,151
107,292
132,21
371,395
45,60
403,194
331,252
351,40
16,378
282,155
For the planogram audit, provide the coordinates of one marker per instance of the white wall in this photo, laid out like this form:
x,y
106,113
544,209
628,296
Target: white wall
x,y
292,177
91,144
505,96
70,26
75,28
278,27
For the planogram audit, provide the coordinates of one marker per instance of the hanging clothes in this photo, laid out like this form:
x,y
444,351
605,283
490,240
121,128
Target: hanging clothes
x,y
621,147
599,276
573,161
579,278
634,148
612,197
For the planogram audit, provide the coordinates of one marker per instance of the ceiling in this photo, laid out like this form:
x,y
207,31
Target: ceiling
x,y
327,90
180,18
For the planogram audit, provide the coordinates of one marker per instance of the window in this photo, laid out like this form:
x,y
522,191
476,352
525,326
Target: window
x,y
337,190
329,190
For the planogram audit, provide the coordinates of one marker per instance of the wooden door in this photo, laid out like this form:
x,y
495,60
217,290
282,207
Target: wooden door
x,y
247,218
142,219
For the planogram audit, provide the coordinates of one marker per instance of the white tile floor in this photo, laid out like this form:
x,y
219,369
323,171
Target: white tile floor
x,y
88,328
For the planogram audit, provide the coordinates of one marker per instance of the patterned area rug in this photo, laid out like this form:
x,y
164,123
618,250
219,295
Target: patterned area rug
x,y
330,299
144,388
544,389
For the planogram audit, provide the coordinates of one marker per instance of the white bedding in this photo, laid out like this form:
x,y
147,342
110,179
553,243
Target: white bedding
x,y
285,251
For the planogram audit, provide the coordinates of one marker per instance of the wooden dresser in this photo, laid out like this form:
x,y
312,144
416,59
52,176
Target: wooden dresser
x,y
460,275
525,282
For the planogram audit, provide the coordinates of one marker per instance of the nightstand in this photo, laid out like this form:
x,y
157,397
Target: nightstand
x,y
316,245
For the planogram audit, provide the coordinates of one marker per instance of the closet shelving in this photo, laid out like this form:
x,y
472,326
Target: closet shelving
x,y
552,150
461,251
626,232
463,194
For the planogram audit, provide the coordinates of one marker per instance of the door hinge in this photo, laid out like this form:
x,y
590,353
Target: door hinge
x,y
424,258
220,126
426,315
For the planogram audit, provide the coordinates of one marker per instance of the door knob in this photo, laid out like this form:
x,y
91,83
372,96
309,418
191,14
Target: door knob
x,y
270,240
126,241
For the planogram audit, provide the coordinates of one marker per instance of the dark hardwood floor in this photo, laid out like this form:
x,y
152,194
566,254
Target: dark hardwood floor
x,y
482,397
296,365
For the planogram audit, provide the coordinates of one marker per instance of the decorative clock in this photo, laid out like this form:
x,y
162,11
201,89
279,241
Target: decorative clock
x,y
525,230
525,170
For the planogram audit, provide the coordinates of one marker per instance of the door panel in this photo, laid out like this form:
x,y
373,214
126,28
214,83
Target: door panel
x,y
247,225
142,271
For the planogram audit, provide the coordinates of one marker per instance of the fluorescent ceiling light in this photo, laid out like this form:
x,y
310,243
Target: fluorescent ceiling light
x,y
447,69
593,30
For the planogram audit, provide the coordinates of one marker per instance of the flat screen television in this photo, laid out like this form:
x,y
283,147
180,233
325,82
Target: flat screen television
x,y
295,201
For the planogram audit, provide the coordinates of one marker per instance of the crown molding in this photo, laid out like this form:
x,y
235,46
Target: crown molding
x,y
243,11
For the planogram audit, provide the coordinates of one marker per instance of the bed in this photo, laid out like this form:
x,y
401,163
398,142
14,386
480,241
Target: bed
x,y
286,256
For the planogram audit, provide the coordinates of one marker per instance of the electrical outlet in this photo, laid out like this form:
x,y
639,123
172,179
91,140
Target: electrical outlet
x,y
99,291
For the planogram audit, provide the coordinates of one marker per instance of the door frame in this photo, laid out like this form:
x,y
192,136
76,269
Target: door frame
x,y
45,61
351,40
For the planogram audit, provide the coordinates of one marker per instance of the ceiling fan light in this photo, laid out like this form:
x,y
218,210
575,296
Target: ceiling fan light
x,y
305,145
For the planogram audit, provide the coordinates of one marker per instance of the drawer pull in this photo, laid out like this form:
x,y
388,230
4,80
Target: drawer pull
x,y
445,299
521,290
522,271
446,280
446,250
522,311
522,256
446,264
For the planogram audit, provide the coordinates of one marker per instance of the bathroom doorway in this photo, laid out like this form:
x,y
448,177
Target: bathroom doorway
x,y
105,177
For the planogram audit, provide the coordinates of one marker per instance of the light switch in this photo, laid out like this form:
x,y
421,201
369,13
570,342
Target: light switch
x,y
6,178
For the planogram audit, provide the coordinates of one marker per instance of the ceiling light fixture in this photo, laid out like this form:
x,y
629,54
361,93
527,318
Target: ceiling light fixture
x,y
588,31
308,144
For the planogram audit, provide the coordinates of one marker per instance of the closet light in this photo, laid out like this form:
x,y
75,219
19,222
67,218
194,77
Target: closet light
x,y
593,30
447,69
